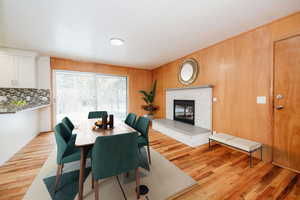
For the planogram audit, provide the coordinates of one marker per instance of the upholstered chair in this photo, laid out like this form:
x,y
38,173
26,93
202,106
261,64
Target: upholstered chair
x,y
114,155
142,126
97,114
130,119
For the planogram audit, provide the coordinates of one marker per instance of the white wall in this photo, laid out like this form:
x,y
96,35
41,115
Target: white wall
x,y
43,72
203,104
16,130
44,82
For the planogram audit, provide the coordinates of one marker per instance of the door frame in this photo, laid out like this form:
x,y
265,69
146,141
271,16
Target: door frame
x,y
53,89
272,93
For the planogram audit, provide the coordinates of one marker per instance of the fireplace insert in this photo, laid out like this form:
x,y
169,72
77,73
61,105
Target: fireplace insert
x,y
184,111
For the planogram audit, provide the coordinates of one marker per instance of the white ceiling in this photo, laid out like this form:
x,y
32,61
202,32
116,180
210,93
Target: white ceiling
x,y
155,32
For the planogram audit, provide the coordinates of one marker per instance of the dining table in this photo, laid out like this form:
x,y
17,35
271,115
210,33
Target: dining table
x,y
86,137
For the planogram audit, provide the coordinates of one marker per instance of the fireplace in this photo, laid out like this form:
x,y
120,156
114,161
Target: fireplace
x,y
184,111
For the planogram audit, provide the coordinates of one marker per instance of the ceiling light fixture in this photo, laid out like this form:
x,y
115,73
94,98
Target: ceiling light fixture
x,y
116,41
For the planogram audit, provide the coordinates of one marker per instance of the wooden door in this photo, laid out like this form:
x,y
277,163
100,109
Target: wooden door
x,y
286,145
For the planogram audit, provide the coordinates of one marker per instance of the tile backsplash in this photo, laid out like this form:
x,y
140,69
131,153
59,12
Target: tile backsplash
x,y
30,95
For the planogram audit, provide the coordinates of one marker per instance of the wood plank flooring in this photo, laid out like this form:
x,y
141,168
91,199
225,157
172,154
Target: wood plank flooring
x,y
17,174
221,173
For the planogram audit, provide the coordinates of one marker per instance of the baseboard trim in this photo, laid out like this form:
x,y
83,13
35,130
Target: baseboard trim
x,y
279,165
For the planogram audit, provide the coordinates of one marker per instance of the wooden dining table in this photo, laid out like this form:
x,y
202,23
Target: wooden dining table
x,y
86,137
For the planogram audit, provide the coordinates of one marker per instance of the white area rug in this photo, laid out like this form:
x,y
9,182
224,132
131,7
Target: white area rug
x,y
164,181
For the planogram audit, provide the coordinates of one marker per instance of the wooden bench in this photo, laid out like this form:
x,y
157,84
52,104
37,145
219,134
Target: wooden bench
x,y
238,143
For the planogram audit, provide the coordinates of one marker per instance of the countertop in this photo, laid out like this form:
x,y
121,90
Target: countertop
x,y
13,109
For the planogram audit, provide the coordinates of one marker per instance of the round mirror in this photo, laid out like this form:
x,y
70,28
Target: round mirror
x,y
188,71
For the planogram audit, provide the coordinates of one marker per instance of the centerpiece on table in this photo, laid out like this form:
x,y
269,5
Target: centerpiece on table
x,y
104,122
149,97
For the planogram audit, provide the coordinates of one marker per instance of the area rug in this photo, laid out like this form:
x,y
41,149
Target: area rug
x,y
164,181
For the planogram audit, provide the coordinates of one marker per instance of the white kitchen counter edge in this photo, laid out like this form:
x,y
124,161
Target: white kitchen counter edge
x,y
30,109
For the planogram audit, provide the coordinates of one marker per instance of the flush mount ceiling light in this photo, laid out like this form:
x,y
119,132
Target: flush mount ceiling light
x,y
116,41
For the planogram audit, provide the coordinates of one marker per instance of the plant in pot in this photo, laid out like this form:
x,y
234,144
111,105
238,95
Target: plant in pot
x,y
149,97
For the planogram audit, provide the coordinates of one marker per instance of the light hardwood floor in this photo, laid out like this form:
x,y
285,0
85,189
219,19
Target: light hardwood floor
x,y
222,173
17,174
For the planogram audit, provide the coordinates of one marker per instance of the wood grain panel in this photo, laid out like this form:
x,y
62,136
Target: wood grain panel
x,y
240,69
138,79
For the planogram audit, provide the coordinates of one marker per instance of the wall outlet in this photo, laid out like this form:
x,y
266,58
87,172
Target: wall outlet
x,y
261,100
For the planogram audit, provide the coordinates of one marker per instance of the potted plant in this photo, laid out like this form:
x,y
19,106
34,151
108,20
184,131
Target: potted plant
x,y
149,97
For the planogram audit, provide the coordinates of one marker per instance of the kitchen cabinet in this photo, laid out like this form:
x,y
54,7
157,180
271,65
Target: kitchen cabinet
x,y
26,71
8,71
17,70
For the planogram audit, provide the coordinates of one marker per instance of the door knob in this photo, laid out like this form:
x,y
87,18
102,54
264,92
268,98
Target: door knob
x,y
279,107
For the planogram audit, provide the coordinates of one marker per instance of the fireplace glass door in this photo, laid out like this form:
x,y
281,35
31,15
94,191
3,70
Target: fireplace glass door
x,y
184,111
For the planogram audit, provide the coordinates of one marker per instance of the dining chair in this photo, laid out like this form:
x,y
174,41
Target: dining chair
x,y
130,119
97,114
70,126
142,126
68,123
110,157
66,150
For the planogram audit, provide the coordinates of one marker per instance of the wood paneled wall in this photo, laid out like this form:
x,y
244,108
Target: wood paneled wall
x,y
240,68
138,79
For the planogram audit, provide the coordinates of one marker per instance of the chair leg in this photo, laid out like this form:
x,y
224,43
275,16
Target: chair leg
x,y
137,180
149,157
93,182
124,195
96,190
58,175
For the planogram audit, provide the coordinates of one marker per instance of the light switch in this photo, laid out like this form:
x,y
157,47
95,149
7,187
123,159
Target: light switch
x,y
215,99
261,100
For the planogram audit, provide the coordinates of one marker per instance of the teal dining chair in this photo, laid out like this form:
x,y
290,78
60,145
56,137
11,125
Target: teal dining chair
x,y
142,126
130,119
97,114
66,150
114,155
70,126
68,123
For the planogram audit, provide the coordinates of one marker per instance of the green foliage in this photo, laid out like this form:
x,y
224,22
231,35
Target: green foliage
x,y
149,96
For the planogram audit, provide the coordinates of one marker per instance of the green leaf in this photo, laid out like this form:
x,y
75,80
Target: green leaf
x,y
144,93
146,100
154,90
149,97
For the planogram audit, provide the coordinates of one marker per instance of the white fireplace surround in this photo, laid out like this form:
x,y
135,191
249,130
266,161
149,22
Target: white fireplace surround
x,y
202,95
192,135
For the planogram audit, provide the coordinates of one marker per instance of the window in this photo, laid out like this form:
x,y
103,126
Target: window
x,y
78,93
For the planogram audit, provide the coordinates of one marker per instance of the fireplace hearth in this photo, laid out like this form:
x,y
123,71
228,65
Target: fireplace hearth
x,y
184,111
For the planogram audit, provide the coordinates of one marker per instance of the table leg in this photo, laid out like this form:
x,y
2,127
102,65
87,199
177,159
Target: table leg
x,y
83,155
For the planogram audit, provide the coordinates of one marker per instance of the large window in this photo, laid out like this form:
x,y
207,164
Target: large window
x,y
78,93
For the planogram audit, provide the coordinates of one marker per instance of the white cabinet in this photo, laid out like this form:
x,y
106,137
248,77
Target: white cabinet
x,y
17,70
26,71
8,71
